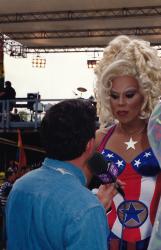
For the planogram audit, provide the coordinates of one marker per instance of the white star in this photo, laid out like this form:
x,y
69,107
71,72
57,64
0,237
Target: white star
x,y
110,155
137,163
147,154
119,163
130,144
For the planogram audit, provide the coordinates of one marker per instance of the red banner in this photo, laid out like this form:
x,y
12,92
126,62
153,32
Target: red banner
x,y
22,161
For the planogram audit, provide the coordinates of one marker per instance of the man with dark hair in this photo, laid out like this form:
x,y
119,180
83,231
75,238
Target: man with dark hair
x,y
50,207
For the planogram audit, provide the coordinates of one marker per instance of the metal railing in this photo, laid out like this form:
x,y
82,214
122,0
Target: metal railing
x,y
29,112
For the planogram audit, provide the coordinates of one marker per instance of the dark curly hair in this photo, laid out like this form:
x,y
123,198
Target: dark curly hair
x,y
67,127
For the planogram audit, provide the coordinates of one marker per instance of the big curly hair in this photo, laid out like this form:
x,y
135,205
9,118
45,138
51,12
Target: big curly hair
x,y
133,57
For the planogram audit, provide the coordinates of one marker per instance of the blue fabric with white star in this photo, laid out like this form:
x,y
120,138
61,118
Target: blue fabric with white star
x,y
144,164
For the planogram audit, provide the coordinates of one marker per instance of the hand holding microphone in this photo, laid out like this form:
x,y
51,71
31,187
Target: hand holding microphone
x,y
106,171
105,194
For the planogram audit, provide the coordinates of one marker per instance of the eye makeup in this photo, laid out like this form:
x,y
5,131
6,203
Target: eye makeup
x,y
128,94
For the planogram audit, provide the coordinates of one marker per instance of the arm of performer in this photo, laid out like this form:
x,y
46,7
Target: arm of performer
x,y
106,193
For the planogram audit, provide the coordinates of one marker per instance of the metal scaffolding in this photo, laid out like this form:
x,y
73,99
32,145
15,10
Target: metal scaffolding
x,y
14,40
80,14
60,34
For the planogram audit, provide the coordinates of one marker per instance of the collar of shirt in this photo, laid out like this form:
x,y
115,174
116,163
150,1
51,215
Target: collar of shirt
x,y
65,167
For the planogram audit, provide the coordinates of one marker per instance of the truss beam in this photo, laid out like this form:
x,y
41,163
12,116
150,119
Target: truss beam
x,y
80,14
13,48
17,50
60,34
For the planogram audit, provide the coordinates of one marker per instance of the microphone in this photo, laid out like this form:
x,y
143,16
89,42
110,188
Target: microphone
x,y
105,170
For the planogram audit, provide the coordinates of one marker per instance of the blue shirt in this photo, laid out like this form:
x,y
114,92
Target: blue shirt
x,y
50,208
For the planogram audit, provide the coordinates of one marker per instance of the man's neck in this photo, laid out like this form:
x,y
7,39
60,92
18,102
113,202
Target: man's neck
x,y
82,164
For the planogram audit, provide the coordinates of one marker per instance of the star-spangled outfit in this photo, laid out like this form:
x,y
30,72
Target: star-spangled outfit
x,y
131,220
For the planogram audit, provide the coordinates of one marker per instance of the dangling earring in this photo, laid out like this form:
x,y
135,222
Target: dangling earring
x,y
142,114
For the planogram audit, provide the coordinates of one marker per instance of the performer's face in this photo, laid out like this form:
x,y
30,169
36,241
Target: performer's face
x,y
125,99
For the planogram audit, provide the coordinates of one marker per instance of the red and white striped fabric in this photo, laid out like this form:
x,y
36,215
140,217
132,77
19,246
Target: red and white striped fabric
x,y
137,213
132,218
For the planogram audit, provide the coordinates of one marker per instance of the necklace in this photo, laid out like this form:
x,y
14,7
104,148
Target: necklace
x,y
131,143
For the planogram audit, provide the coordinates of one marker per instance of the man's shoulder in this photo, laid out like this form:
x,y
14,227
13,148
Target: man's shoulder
x,y
27,179
82,200
65,190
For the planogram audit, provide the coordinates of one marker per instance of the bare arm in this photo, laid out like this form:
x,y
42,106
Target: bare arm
x,y
107,192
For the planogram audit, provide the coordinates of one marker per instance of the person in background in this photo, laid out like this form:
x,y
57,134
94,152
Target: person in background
x,y
10,94
5,189
128,87
15,117
6,186
2,97
53,203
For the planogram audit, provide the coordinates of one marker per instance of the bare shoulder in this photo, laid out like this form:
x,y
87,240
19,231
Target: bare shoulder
x,y
100,133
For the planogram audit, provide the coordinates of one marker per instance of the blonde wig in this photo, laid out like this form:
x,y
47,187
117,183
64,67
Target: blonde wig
x,y
133,57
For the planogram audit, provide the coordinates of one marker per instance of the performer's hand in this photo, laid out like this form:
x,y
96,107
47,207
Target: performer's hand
x,y
106,193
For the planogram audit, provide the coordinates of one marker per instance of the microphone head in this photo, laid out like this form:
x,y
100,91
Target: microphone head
x,y
105,170
98,164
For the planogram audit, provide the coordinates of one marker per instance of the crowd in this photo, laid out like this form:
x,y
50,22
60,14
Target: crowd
x,y
10,176
113,203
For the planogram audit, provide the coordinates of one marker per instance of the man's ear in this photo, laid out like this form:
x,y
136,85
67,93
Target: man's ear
x,y
90,146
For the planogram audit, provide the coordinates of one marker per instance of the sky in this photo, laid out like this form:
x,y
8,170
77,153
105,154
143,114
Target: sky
x,y
63,74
